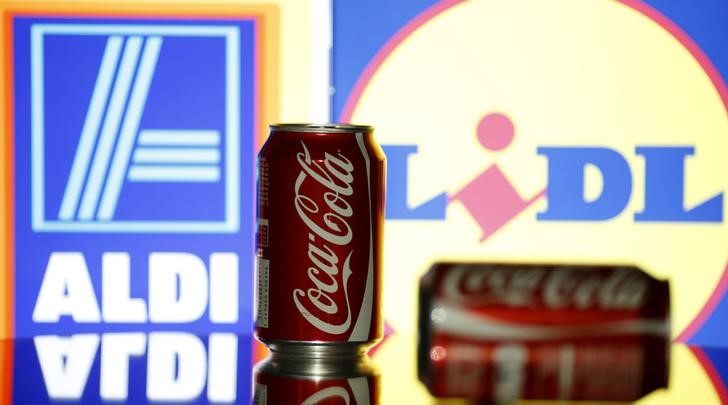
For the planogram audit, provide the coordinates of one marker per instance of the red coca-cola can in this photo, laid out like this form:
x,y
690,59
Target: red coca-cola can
x,y
502,332
320,221
281,381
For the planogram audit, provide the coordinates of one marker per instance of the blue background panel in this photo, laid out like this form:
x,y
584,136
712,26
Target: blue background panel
x,y
189,90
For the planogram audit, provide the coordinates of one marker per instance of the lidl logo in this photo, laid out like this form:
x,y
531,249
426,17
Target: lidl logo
x,y
492,201
527,131
133,164
126,118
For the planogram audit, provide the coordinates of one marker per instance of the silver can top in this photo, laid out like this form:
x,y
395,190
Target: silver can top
x,y
321,128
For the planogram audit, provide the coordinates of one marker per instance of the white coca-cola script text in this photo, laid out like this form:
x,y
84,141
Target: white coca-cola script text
x,y
326,220
620,289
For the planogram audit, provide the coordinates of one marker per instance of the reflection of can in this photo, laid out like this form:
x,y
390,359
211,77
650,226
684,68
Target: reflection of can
x,y
280,380
500,332
320,219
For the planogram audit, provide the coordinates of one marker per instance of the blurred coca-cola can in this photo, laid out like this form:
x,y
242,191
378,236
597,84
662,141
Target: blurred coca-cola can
x,y
280,380
320,219
502,332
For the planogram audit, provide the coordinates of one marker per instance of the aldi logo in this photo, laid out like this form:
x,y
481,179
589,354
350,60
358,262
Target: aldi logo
x,y
133,148
127,122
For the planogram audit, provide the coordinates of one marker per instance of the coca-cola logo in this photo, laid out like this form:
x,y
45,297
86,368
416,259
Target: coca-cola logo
x,y
326,216
620,289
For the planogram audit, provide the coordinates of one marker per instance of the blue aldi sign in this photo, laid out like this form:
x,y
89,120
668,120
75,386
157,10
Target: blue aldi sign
x,y
133,173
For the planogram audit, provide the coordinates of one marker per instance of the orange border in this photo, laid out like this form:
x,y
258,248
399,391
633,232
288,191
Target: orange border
x,y
266,87
7,279
267,72
7,347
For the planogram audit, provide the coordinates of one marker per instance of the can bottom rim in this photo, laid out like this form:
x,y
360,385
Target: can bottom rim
x,y
322,350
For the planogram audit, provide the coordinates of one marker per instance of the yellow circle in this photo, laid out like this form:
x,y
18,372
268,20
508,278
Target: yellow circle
x,y
567,73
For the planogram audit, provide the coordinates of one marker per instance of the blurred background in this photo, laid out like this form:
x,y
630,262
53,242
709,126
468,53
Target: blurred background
x,y
130,130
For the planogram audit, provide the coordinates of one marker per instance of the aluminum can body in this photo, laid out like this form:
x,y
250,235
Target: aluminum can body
x,y
292,381
320,214
502,332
